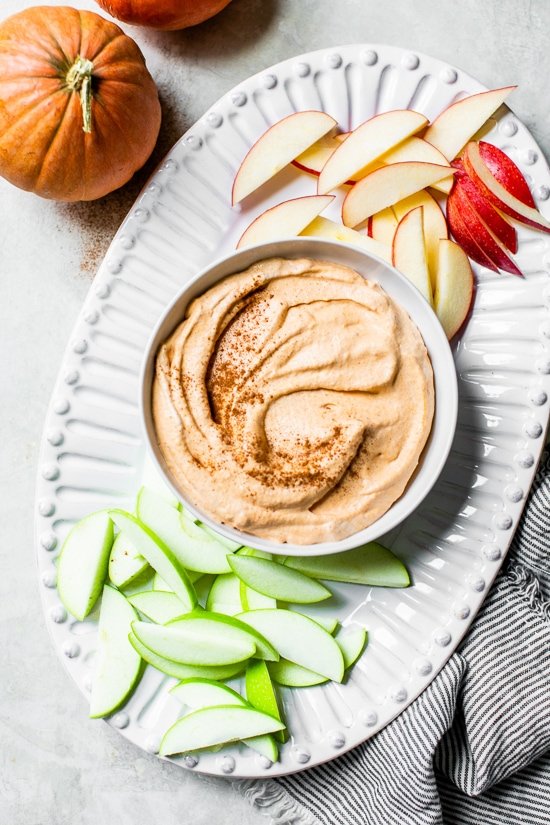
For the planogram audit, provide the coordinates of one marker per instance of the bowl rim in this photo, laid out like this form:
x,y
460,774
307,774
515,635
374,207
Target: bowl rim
x,y
257,253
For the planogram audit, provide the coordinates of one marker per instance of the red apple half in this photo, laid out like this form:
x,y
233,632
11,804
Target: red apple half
x,y
497,194
454,288
278,147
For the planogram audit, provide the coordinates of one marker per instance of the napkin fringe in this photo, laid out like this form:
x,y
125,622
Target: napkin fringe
x,y
273,801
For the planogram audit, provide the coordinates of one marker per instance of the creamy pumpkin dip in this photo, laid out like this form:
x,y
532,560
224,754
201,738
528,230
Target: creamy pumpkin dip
x,y
293,401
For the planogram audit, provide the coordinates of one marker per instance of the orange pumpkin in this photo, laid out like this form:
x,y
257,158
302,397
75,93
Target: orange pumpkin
x,y
79,112
163,14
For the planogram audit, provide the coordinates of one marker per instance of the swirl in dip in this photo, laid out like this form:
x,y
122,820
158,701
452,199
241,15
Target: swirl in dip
x,y
293,401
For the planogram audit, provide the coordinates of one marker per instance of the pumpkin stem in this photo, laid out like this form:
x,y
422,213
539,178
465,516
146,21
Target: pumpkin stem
x,y
79,79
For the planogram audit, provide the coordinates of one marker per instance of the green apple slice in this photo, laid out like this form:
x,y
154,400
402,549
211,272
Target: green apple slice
x,y
159,556
352,642
327,622
300,639
277,581
290,674
258,554
196,642
118,664
224,595
142,582
216,726
252,600
181,671
213,623
160,584
260,693
192,546
370,564
230,545
83,563
125,563
202,693
158,605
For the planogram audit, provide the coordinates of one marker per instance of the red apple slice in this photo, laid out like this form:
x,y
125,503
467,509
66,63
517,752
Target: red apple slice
x,y
506,172
278,147
463,236
497,194
504,231
435,225
314,158
285,220
409,251
324,228
488,242
382,226
456,124
366,144
386,186
454,287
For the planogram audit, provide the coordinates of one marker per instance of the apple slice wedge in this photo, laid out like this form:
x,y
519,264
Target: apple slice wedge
x,y
435,225
118,665
314,158
506,172
261,694
194,549
285,220
409,251
484,238
159,556
278,581
382,226
216,726
157,605
324,228
252,600
456,125
202,693
191,644
386,186
290,674
463,236
497,194
213,623
83,563
224,595
352,642
277,147
366,144
181,671
300,639
371,564
417,149
125,563
466,188
230,545
455,287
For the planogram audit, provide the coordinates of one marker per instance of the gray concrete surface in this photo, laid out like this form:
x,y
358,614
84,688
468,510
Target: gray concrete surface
x,y
56,766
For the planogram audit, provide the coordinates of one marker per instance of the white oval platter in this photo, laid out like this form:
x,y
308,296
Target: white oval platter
x,y
454,544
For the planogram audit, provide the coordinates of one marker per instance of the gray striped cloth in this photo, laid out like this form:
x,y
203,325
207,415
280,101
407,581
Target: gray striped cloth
x,y
474,748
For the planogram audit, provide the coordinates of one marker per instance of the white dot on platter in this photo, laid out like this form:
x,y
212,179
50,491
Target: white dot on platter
x,y
478,585
336,738
370,57
227,764
449,75
398,694
49,577
442,637
71,650
525,459
423,666
491,552
503,521
48,540
190,761
300,755
514,493
58,614
121,720
533,429
50,472
263,761
410,61
302,69
368,717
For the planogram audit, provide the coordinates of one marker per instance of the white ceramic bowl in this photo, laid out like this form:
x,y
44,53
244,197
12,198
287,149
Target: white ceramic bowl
x,y
401,290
